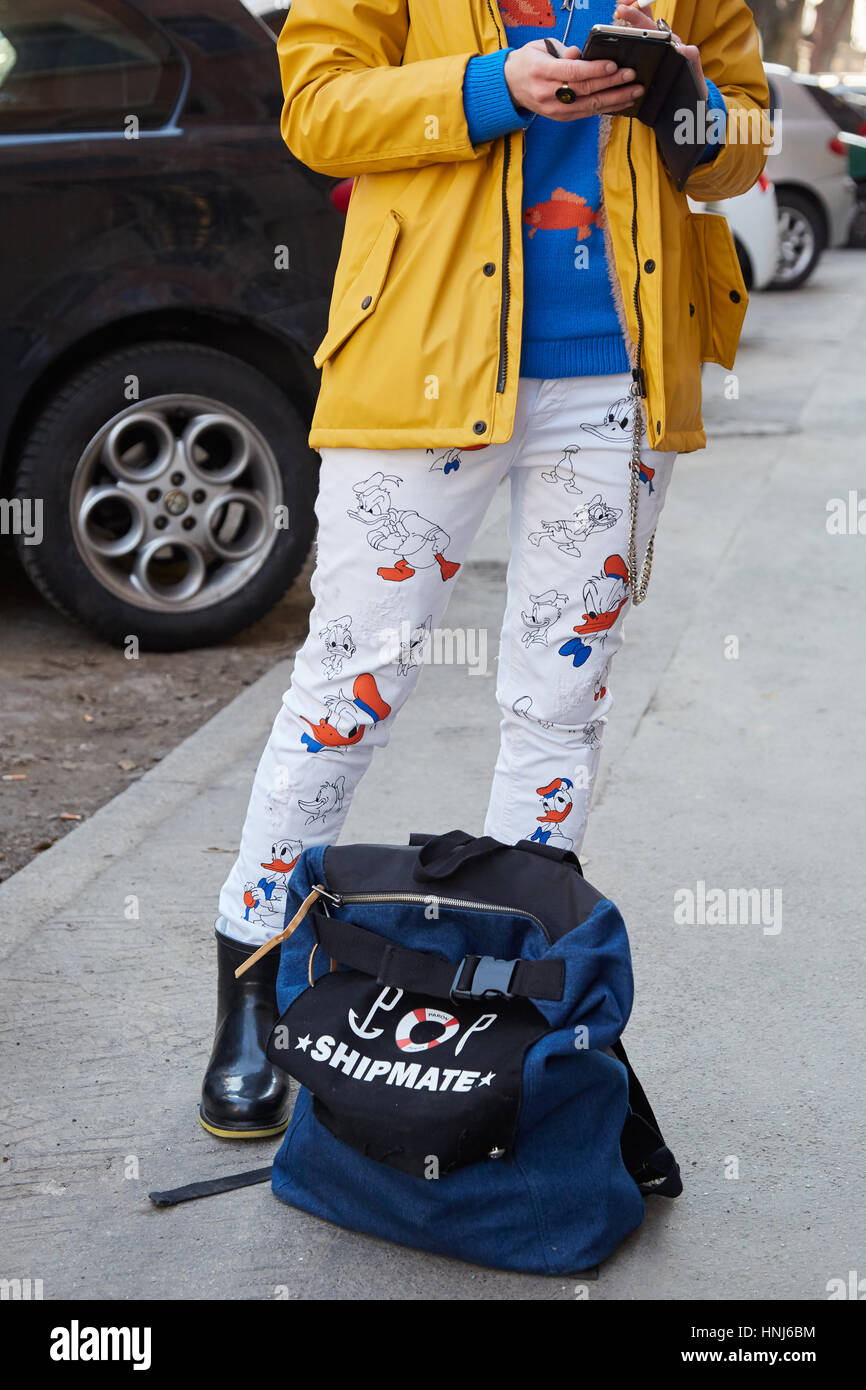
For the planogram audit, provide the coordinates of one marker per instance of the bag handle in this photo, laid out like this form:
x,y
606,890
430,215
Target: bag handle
x,y
441,855
561,856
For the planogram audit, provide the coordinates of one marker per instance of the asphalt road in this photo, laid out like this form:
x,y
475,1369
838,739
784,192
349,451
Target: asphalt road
x,y
732,771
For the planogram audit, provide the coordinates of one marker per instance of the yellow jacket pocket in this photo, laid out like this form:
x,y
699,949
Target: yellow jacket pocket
x,y
362,294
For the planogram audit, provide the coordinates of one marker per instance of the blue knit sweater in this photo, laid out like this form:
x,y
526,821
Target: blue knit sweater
x,y
570,324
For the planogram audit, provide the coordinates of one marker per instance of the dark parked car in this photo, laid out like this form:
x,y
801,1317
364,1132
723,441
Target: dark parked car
x,y
167,268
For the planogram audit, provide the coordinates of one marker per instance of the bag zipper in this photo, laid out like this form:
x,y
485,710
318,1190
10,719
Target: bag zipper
x,y
506,249
427,899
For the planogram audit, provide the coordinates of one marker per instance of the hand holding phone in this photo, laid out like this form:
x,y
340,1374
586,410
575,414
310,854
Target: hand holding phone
x,y
537,70
635,15
642,50
670,81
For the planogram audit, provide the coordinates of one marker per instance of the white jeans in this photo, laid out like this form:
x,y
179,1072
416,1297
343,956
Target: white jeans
x,y
394,529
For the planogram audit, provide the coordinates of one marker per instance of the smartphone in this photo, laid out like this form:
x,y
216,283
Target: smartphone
x,y
641,49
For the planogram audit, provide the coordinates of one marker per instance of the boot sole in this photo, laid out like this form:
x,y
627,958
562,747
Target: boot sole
x,y
222,1133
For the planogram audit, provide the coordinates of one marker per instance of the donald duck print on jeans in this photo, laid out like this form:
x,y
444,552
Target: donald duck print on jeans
x,y
617,426
605,596
346,717
416,542
557,802
265,901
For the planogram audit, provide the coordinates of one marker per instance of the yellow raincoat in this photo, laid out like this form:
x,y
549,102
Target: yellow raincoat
x,y
423,340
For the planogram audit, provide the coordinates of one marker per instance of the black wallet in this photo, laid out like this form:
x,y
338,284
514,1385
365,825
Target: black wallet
x,y
670,88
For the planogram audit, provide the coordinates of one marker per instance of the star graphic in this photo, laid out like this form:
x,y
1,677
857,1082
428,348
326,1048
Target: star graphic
x,y
303,1043
486,1080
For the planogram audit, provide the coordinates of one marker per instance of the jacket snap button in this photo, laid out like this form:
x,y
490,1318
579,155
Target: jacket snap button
x,y
489,268
735,296
480,427
649,266
366,302
691,311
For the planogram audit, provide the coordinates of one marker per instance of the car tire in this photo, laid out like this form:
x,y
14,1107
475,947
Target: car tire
x,y
857,234
801,240
196,408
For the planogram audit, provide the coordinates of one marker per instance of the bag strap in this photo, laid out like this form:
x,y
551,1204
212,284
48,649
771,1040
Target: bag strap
x,y
210,1187
428,972
644,1151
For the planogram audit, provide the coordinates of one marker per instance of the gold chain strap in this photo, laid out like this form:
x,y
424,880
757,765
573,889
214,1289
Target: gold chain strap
x,y
637,585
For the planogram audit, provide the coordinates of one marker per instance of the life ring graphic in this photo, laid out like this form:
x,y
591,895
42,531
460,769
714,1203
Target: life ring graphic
x,y
448,1022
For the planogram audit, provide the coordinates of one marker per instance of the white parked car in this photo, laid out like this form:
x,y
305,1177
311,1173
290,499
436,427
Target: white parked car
x,y
753,219
814,190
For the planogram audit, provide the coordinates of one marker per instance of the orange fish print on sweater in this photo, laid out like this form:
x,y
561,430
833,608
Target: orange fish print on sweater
x,y
562,210
531,13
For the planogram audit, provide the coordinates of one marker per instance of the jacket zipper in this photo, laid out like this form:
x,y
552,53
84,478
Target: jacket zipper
x,y
637,370
506,249
426,898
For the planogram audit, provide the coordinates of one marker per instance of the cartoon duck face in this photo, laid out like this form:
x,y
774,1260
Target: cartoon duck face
x,y
338,638
596,515
556,800
284,856
546,608
617,422
340,725
328,798
602,595
373,498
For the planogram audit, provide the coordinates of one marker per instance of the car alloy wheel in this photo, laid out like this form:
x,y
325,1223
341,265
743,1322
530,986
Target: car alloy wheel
x,y
797,244
173,503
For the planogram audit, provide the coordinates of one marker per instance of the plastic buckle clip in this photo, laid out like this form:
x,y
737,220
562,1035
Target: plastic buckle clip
x,y
490,978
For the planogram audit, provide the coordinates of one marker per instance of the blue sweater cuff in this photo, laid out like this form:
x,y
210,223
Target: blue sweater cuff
x,y
490,112
715,102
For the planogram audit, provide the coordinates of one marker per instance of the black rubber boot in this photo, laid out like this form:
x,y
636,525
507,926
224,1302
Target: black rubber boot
x,y
243,1096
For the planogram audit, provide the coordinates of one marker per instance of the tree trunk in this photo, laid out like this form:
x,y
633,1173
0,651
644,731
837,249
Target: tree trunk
x,y
780,25
832,26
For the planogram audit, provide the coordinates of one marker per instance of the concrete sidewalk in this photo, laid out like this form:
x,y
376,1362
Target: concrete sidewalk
x,y
737,773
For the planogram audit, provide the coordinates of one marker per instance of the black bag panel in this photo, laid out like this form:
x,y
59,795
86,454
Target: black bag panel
x,y
410,1081
539,880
